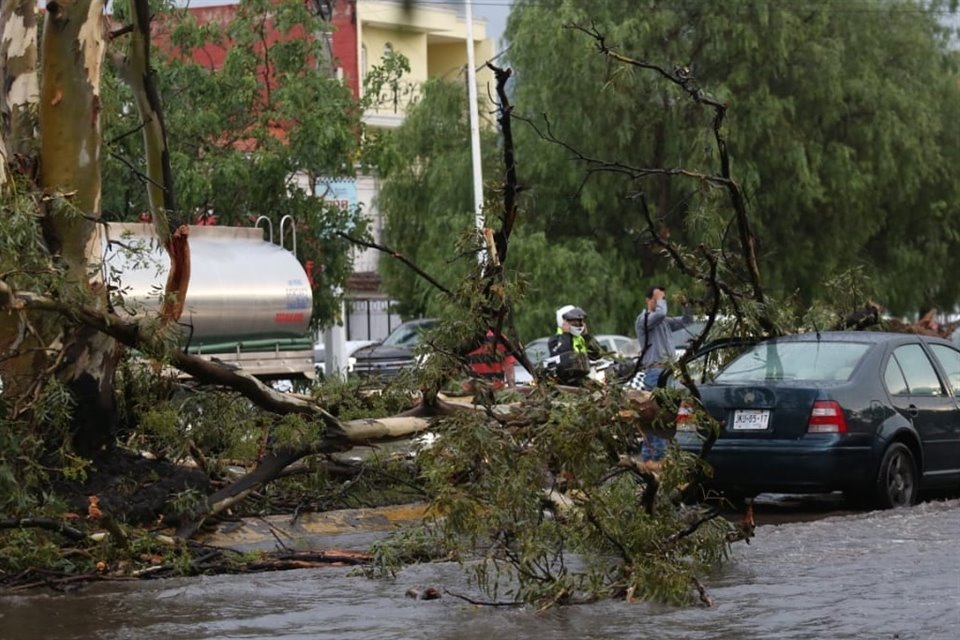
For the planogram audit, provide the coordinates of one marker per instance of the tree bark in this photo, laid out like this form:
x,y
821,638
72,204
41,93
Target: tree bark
x,y
73,50
18,72
19,94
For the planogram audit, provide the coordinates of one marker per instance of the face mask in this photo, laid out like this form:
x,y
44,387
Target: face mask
x,y
576,331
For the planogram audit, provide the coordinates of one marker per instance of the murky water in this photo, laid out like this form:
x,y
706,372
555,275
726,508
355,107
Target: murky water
x,y
879,575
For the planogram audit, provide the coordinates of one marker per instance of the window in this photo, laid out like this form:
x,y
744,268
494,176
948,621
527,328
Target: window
x,y
922,379
627,347
893,377
949,359
409,333
809,361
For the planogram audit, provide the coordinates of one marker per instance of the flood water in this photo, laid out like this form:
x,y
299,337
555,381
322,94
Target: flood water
x,y
830,575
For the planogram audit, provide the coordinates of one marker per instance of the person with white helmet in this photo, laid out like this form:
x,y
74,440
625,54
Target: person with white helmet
x,y
562,310
574,345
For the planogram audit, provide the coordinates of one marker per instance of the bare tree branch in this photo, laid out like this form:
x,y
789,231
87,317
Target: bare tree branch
x,y
398,256
683,78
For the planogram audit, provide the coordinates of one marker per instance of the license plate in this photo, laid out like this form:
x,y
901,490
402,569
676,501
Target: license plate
x,y
751,419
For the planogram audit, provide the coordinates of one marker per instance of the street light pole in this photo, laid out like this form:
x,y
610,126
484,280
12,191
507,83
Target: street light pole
x,y
474,128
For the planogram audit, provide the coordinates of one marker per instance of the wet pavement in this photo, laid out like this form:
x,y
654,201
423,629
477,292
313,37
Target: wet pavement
x,y
812,571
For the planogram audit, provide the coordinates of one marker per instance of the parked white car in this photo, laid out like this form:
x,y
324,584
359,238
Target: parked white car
x,y
320,354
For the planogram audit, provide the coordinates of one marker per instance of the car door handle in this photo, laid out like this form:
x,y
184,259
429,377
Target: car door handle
x,y
913,411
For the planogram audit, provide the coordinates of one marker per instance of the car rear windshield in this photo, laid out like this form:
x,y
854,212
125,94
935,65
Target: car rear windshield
x,y
407,334
809,361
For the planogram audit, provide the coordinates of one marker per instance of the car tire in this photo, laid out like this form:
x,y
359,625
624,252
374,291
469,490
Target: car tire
x,y
898,481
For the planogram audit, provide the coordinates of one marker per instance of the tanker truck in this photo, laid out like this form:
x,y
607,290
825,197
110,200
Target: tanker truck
x,y
248,303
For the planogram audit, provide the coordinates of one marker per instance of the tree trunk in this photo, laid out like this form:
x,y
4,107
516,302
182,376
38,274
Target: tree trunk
x,y
18,71
19,95
70,141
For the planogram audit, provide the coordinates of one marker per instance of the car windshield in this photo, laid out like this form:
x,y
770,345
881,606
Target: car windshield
x,y
682,336
809,361
406,335
537,350
628,348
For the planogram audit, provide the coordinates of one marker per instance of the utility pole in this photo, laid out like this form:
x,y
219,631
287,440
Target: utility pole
x,y
474,128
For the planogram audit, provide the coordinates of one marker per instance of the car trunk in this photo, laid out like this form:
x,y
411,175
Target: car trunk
x,y
382,360
780,411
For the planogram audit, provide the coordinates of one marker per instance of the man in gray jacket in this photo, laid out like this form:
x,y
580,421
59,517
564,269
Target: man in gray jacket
x,y
654,328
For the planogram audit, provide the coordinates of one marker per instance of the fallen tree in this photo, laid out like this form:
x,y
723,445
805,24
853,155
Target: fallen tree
x,y
515,483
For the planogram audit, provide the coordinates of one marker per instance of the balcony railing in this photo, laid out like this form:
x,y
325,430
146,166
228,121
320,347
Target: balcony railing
x,y
394,100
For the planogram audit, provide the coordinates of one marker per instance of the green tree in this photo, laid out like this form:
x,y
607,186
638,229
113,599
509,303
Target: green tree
x,y
426,195
44,354
841,128
280,116
427,201
490,477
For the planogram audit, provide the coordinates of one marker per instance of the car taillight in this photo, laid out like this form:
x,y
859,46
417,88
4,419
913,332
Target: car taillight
x,y
686,420
827,417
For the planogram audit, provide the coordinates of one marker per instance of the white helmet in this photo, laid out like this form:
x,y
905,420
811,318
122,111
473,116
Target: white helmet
x,y
562,310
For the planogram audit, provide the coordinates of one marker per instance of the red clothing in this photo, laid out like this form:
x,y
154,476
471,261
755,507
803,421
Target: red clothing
x,y
486,363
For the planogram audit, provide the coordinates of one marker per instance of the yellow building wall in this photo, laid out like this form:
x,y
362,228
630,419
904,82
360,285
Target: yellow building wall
x,y
432,39
449,60
416,15
410,44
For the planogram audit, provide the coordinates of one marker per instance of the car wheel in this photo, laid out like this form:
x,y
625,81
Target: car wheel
x,y
897,480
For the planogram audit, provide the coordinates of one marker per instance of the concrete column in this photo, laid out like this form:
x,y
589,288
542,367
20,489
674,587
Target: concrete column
x,y
335,345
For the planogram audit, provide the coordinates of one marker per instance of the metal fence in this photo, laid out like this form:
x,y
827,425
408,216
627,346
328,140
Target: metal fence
x,y
370,318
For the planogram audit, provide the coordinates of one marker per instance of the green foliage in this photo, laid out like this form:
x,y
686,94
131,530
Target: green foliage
x,y
24,249
25,260
426,196
57,408
187,505
543,264
23,550
35,427
842,295
841,128
408,546
165,418
294,431
352,398
385,478
426,199
490,484
21,474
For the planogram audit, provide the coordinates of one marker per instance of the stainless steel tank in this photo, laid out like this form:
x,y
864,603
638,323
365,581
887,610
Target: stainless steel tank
x,y
242,287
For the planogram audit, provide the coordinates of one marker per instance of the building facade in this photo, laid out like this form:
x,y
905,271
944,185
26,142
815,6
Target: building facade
x,y
434,40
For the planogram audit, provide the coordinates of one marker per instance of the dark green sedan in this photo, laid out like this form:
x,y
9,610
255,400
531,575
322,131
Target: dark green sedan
x,y
875,415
